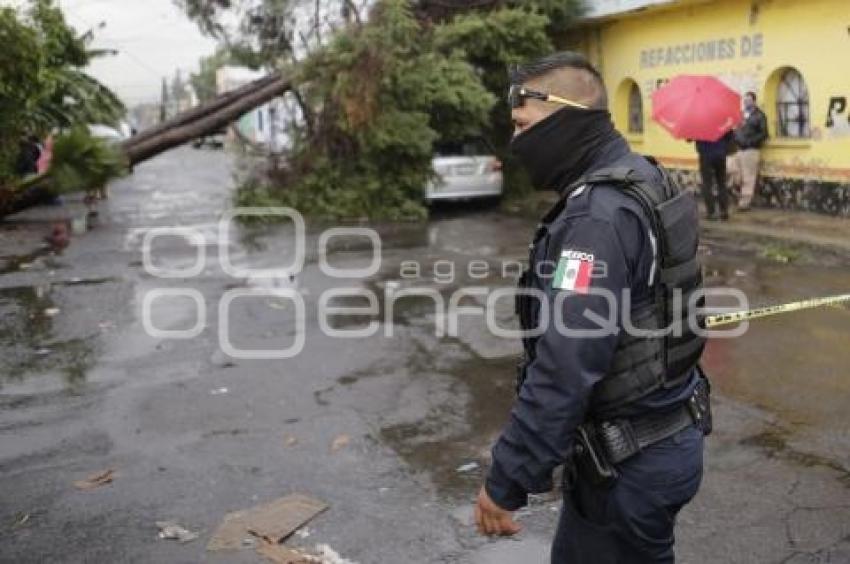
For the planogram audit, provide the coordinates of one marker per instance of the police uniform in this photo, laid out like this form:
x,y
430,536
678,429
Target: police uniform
x,y
629,400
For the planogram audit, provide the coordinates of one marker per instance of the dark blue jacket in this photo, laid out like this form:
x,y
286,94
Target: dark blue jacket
x,y
714,150
554,399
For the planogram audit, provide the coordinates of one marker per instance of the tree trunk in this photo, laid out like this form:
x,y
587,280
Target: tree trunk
x,y
203,120
220,101
196,122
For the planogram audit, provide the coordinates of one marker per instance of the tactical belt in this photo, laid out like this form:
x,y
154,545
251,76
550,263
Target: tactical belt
x,y
620,439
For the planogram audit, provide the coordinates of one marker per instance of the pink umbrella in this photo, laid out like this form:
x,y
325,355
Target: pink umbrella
x,y
696,107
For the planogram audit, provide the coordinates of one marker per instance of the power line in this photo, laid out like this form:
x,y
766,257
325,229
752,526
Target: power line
x,y
141,63
125,51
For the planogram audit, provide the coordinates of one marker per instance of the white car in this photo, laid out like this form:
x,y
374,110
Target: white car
x,y
465,170
107,133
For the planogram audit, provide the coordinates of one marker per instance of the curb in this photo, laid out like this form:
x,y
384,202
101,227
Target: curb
x,y
833,244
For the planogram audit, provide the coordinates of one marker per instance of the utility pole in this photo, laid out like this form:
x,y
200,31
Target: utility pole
x,y
163,103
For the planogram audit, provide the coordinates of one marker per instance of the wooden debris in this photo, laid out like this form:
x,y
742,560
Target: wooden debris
x,y
280,554
340,442
96,480
273,522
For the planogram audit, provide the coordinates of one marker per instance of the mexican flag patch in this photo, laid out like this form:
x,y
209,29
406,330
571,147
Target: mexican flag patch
x,y
573,271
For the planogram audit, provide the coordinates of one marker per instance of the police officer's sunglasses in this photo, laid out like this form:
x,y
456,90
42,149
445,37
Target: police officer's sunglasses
x,y
517,95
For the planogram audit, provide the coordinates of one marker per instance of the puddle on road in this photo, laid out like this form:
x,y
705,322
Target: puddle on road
x,y
466,406
452,402
774,441
526,548
29,341
793,364
41,259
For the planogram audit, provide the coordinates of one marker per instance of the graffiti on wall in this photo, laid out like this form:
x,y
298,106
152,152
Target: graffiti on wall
x,y
838,117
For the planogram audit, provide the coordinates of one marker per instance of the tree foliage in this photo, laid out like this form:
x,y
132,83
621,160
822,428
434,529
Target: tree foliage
x,y
263,33
81,162
492,38
20,84
385,97
378,88
68,95
43,85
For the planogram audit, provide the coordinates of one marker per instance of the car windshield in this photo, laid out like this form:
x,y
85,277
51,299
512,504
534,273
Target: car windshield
x,y
465,148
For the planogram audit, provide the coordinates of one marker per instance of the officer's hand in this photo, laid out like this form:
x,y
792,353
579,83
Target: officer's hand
x,y
492,519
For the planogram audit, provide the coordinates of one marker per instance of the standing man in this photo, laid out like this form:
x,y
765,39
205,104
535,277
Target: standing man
x,y
29,151
600,390
712,169
750,136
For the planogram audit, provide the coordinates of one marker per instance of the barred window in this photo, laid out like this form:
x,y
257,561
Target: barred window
x,y
635,109
792,105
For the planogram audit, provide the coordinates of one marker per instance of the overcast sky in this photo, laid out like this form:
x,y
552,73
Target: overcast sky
x,y
153,37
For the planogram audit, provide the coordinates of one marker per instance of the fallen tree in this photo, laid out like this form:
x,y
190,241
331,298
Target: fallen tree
x,y
204,119
196,122
370,95
375,88
209,108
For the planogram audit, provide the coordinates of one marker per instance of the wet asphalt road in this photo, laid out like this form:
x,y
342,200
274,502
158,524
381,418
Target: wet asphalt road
x,y
193,433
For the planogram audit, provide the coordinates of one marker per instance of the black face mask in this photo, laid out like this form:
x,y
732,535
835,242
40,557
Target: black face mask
x,y
558,150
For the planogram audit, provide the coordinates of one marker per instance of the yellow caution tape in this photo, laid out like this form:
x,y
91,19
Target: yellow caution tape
x,y
738,316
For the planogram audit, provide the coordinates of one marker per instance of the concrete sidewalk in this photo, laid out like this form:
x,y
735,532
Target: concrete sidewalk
x,y
784,227
788,226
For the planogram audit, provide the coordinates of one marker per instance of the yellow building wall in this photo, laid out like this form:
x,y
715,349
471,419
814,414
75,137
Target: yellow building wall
x,y
756,39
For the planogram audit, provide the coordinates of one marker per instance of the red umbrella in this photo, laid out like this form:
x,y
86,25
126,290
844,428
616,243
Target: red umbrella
x,y
696,107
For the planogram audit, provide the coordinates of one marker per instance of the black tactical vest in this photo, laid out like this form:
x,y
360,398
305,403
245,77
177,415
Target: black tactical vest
x,y
666,357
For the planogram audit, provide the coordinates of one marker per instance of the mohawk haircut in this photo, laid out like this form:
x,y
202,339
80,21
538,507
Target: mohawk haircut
x,y
550,64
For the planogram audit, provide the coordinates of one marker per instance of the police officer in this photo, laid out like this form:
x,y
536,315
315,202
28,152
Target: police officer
x,y
609,385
